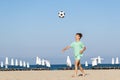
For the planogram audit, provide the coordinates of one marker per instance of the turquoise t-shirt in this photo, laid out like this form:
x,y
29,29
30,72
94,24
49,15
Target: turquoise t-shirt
x,y
77,46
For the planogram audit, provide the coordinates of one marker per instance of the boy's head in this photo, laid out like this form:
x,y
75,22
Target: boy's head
x,y
78,36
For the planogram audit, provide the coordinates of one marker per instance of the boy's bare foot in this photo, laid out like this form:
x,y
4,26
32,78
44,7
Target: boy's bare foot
x,y
82,75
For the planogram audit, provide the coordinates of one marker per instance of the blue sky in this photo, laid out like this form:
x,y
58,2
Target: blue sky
x,y
30,28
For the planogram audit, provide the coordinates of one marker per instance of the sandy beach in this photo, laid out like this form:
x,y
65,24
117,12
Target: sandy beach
x,y
60,75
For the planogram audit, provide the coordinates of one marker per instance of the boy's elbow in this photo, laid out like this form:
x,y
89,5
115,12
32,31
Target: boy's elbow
x,y
84,48
69,46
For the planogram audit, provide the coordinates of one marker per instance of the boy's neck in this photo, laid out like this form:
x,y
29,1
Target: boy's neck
x,y
77,40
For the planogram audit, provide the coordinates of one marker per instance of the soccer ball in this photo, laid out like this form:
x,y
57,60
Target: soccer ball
x,y
61,14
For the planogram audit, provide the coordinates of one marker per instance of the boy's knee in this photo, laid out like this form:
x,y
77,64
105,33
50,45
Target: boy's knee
x,y
80,66
76,65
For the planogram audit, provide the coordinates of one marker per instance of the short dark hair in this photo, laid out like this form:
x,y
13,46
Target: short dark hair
x,y
80,34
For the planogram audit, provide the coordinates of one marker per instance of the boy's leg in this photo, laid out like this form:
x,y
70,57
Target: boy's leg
x,y
76,67
81,69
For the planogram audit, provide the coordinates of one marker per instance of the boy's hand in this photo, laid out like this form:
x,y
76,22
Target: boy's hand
x,y
81,51
63,50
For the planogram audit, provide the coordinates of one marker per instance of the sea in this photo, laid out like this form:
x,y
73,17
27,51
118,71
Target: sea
x,y
63,67
99,66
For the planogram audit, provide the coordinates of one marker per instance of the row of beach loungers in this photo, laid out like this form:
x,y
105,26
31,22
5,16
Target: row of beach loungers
x,y
65,68
27,69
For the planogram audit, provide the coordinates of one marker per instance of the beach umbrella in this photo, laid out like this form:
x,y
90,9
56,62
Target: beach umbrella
x,y
69,62
6,62
94,61
113,61
28,66
24,64
99,60
1,64
12,62
16,62
86,63
21,64
47,63
117,60
37,60
43,62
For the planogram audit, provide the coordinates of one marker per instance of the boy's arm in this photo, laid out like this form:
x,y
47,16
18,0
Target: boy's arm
x,y
84,48
66,48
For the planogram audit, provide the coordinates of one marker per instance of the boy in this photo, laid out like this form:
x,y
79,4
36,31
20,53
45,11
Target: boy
x,y
79,48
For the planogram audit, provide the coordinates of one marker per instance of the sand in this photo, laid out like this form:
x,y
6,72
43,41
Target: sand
x,y
60,75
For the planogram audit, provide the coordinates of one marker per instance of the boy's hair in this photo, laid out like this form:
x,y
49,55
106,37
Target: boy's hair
x,y
80,34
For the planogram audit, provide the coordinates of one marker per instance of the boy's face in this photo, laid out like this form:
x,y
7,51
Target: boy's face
x,y
77,37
